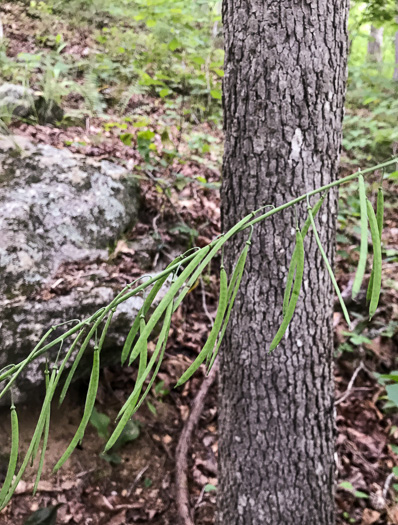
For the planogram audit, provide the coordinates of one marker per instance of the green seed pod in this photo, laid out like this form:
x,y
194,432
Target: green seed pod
x,y
12,463
169,296
209,345
380,210
232,292
379,218
162,343
295,292
137,351
91,395
364,239
79,356
329,269
36,435
45,441
377,260
88,409
293,262
162,340
144,310
128,408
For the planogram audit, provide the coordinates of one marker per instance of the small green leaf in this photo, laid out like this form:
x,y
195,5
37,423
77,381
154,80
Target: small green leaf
x,y
126,138
100,422
346,485
147,483
130,432
216,93
174,44
164,92
145,135
361,495
46,516
209,488
392,393
152,408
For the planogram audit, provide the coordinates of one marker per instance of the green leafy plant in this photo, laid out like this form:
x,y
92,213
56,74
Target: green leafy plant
x,y
184,271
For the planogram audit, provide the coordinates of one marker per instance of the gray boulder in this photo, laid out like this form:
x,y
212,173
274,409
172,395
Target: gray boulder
x,y
16,100
20,101
57,208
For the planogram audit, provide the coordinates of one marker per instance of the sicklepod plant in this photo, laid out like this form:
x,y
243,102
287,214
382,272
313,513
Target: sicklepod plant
x,y
177,279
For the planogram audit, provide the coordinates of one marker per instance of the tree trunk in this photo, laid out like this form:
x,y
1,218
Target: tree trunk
x,y
395,77
285,74
375,44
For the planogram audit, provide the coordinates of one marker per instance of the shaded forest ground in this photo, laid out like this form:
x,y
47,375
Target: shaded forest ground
x,y
137,485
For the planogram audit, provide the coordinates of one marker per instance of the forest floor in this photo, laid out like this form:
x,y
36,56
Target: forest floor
x,y
137,484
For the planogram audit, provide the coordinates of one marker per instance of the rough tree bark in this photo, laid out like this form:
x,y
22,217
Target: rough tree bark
x,y
285,75
395,76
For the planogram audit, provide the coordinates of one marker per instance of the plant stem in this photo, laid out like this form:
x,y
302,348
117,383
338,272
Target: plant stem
x,y
121,297
337,182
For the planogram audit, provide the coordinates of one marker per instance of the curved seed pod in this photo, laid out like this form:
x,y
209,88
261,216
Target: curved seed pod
x,y
144,310
169,313
133,398
68,354
160,347
45,442
293,262
137,350
143,351
380,210
26,362
80,355
223,293
379,218
217,246
91,395
51,385
88,409
36,435
12,464
157,314
364,239
377,260
38,440
295,292
209,345
232,292
329,268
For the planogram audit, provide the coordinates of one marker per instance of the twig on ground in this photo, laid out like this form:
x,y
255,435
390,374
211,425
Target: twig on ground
x,y
387,484
182,496
350,384
137,479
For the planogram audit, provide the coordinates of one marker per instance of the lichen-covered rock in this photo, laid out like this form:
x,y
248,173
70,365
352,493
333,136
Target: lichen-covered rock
x,y
16,100
24,321
56,208
23,102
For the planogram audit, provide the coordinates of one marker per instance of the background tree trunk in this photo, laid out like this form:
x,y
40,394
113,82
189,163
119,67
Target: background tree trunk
x,y
285,74
375,44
